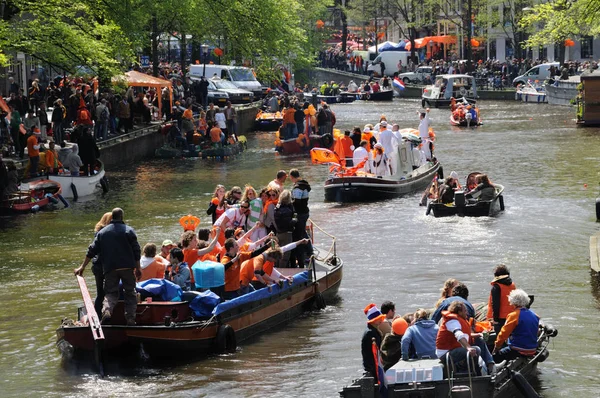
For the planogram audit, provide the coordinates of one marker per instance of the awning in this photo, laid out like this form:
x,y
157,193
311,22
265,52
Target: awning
x,y
139,79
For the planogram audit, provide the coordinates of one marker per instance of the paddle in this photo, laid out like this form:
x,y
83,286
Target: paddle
x,y
94,323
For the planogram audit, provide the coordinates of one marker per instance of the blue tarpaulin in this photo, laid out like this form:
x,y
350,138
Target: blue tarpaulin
x,y
389,46
166,290
204,303
260,294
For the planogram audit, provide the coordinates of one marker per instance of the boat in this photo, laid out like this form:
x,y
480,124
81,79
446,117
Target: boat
x,y
461,206
356,185
562,92
460,118
588,100
268,121
222,153
32,196
531,93
446,87
429,378
341,98
82,185
171,330
303,143
383,95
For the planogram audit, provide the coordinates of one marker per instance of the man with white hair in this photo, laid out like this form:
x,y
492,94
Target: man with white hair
x,y
520,330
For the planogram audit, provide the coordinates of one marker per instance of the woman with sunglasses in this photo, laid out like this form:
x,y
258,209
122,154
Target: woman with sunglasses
x,y
269,210
233,217
233,197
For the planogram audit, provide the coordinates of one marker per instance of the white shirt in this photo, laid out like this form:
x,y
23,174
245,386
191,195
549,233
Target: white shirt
x,y
389,142
359,155
424,127
220,119
352,87
236,218
453,326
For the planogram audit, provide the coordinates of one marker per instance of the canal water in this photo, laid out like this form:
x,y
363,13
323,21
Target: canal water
x,y
391,250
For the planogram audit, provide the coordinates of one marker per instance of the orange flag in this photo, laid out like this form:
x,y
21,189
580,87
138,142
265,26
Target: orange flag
x,y
324,156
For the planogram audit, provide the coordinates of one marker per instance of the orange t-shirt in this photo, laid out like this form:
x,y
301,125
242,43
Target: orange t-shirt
x,y
248,267
346,144
190,256
367,137
31,141
232,274
156,269
215,135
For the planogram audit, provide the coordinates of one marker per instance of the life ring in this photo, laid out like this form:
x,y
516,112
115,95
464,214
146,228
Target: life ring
x,y
104,184
462,91
74,190
326,140
226,342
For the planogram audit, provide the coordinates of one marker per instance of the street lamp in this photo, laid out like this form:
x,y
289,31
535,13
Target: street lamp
x,y
204,48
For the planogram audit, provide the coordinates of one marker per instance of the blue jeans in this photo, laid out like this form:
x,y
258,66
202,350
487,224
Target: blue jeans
x,y
231,126
101,130
485,352
57,132
459,358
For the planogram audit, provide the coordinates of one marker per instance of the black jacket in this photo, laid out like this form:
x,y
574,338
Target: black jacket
x,y
300,194
284,218
367,349
117,245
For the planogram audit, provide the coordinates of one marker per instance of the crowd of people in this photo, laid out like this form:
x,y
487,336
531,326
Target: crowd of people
x,y
455,328
253,233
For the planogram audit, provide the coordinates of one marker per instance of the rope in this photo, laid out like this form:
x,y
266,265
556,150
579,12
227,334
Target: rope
x,y
331,248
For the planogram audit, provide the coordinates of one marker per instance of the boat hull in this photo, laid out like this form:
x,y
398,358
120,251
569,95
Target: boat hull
x,y
387,95
463,123
367,189
442,102
479,209
85,185
36,197
267,124
292,147
162,339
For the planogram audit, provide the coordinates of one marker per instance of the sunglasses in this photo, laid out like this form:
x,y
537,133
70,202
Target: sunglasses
x,y
273,195
245,207
238,192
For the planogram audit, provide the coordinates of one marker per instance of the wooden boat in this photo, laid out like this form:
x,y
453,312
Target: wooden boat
x,y
462,208
361,186
341,98
32,196
303,144
267,121
420,378
167,329
384,95
82,185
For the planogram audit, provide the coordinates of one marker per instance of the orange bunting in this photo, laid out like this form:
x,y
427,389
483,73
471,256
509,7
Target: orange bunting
x,y
320,24
324,156
569,43
189,222
218,52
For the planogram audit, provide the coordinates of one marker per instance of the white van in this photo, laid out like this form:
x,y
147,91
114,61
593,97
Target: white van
x,y
539,72
241,76
390,59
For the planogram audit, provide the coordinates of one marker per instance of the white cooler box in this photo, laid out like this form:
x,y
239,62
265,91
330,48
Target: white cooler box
x,y
417,370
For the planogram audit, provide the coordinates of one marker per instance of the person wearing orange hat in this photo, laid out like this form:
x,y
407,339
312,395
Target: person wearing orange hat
x,y
419,339
374,319
391,344
33,151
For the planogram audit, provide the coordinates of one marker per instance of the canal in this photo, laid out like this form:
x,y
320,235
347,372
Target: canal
x,y
392,251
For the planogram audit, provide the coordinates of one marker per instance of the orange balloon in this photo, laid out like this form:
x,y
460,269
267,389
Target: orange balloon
x,y
585,185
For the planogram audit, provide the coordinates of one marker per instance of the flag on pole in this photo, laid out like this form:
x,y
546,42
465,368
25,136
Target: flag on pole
x,y
399,84
324,156
381,380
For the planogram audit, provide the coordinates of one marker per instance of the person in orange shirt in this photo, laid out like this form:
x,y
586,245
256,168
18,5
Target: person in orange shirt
x,y
232,261
348,148
153,266
368,136
191,253
52,162
216,135
289,124
33,151
253,268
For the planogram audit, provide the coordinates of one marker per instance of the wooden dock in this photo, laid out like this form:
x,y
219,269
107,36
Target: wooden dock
x,y
595,252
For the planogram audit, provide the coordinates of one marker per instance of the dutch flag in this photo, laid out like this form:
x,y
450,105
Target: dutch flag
x,y
398,84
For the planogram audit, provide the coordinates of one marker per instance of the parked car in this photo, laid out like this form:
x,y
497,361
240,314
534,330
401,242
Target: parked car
x,y
539,72
236,95
241,76
215,95
418,76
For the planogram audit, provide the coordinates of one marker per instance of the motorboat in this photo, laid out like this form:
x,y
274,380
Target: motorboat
x,y
32,196
268,121
531,93
383,95
82,185
446,87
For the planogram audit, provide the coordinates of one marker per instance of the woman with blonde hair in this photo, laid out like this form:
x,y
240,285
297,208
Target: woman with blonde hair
x,y
446,290
215,207
256,212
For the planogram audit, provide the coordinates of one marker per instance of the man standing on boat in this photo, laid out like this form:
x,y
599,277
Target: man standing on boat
x,y
424,133
118,246
300,195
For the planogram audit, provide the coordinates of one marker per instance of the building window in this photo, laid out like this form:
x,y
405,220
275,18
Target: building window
x,y
587,49
543,53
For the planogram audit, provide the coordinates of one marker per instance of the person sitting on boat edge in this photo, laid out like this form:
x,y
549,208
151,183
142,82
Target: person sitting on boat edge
x,y
498,304
391,349
374,319
520,330
454,337
180,271
418,341
485,187
152,266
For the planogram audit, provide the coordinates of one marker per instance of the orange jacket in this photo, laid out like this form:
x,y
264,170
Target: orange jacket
x,y
445,339
505,307
190,256
232,274
248,268
31,141
346,144
156,269
52,160
367,137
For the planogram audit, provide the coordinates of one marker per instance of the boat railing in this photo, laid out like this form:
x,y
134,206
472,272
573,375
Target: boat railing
x,y
331,254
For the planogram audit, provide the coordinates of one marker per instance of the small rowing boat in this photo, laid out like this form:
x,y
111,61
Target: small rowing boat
x,y
32,196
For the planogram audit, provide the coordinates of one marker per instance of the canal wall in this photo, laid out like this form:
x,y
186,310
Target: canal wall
x,y
143,142
320,75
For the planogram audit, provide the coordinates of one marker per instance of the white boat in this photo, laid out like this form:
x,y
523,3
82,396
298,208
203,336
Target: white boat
x,y
75,187
531,93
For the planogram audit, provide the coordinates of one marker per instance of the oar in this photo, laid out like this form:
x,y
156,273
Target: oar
x,y
94,322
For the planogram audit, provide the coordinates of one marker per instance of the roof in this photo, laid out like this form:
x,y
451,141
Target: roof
x,y
594,74
134,78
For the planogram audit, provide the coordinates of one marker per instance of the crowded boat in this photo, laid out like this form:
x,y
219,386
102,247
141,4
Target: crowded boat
x,y
259,248
464,114
456,345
